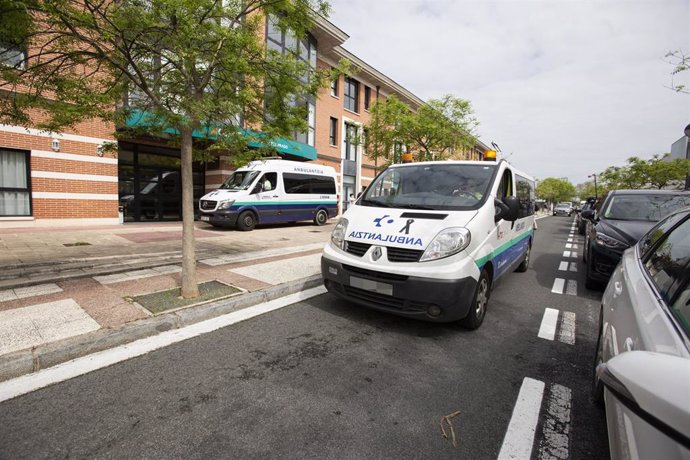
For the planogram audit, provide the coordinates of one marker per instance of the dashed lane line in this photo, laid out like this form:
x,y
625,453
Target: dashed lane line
x,y
519,438
547,330
566,331
571,287
573,267
566,254
563,266
556,427
558,285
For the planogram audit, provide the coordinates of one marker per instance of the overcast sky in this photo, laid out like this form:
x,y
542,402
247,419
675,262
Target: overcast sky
x,y
565,87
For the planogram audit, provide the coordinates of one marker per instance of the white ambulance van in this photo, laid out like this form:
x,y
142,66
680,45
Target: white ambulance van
x,y
272,191
429,240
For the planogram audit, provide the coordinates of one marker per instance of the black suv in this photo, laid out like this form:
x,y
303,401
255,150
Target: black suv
x,y
619,222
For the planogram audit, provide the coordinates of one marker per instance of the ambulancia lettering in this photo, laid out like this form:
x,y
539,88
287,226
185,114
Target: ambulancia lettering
x,y
410,240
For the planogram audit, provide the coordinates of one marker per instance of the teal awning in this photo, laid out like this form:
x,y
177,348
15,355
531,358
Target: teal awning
x,y
138,119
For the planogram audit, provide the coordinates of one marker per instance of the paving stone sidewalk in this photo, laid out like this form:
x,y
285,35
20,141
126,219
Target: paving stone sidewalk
x,y
55,305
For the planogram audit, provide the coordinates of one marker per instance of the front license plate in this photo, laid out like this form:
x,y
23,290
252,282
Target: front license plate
x,y
374,286
205,218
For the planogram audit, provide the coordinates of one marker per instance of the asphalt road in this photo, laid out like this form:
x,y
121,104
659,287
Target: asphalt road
x,y
325,379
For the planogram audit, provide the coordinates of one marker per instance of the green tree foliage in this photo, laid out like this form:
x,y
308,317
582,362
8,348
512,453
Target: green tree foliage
x,y
556,189
191,65
657,172
681,63
435,131
586,189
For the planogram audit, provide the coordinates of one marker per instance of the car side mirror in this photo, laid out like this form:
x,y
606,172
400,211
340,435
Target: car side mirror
x,y
507,209
588,214
654,386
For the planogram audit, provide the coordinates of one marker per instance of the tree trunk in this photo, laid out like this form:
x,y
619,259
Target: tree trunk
x,y
190,288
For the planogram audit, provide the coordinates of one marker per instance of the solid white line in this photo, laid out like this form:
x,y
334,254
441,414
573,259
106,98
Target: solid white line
x,y
517,443
556,427
547,330
563,266
558,285
27,383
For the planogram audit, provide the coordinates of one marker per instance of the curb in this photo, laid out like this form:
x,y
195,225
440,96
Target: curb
x,y
31,360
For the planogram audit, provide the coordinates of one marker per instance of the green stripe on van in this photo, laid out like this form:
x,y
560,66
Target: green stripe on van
x,y
274,203
505,246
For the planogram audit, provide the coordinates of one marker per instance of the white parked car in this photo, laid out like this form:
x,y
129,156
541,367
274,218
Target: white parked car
x,y
643,354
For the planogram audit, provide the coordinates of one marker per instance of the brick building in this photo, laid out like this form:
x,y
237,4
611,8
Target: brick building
x,y
68,178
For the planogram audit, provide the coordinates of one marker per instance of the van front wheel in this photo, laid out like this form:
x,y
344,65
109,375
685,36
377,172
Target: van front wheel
x,y
479,302
321,217
246,221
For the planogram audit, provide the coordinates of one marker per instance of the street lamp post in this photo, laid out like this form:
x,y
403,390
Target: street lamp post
x,y
596,194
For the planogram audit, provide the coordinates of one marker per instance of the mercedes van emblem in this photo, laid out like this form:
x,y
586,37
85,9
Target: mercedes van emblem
x,y
376,253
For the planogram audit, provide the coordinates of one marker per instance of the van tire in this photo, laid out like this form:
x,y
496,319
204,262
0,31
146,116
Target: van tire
x,y
524,265
321,217
246,221
480,300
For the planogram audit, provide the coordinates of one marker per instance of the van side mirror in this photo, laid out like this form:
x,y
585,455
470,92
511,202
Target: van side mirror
x,y
507,209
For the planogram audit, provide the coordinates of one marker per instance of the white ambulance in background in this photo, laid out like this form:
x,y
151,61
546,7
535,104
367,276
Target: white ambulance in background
x,y
272,191
429,240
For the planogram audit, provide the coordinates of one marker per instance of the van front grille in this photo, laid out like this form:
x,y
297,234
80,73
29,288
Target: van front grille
x,y
381,276
357,249
207,205
404,255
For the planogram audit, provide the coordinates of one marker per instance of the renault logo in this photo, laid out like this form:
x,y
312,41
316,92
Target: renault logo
x,y
376,253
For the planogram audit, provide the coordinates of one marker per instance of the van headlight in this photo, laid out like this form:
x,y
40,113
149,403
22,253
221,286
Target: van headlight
x,y
448,242
226,204
339,232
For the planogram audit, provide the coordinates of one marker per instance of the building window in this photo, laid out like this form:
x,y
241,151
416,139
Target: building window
x,y
15,198
350,142
284,41
333,132
334,87
12,56
352,95
367,98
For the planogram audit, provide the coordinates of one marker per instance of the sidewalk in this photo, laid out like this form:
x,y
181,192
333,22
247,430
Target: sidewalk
x,y
65,293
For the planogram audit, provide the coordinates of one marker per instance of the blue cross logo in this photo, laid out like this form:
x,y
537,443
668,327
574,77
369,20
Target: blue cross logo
x,y
378,220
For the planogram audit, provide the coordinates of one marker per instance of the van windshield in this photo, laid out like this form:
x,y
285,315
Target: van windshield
x,y
430,186
240,180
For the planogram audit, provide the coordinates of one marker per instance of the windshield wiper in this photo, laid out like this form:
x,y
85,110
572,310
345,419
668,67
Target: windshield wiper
x,y
415,206
380,204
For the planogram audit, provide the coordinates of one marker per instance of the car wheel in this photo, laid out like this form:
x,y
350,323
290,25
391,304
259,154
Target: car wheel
x,y
581,229
479,303
597,385
246,221
321,217
524,265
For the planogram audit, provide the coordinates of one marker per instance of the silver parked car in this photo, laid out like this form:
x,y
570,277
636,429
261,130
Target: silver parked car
x,y
643,354
563,209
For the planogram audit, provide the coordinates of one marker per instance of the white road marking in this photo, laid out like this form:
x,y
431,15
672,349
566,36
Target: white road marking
x,y
568,245
573,254
563,266
571,288
556,428
566,253
574,246
570,240
558,285
566,333
547,330
517,443
573,267
27,383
